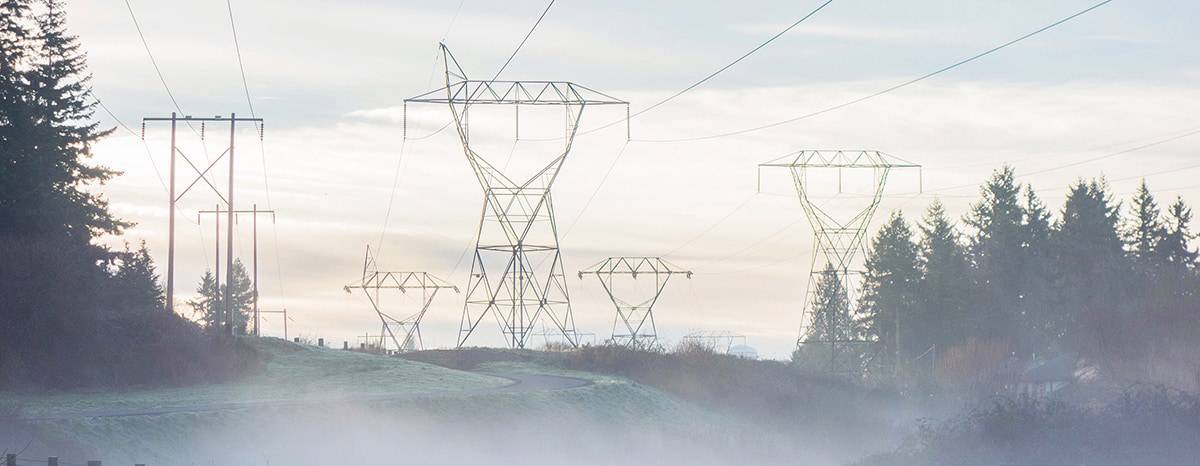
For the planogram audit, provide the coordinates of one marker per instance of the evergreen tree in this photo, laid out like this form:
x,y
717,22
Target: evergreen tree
x,y
102,327
826,345
1091,260
209,304
206,306
997,223
831,319
1174,248
15,108
1036,300
1145,231
50,140
944,294
243,297
888,301
135,285
1178,259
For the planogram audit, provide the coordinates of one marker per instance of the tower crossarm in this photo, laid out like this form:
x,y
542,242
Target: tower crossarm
x,y
404,333
634,323
472,91
403,281
461,92
838,158
634,265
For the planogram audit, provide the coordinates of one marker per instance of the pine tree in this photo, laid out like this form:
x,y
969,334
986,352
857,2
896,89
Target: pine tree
x,y
206,306
831,319
209,304
243,297
1179,260
945,290
15,110
826,347
888,301
51,142
134,287
994,251
1174,249
1037,304
1091,260
1145,231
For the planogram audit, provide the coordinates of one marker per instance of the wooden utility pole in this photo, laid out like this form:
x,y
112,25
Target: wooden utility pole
x,y
170,222
285,320
254,247
201,175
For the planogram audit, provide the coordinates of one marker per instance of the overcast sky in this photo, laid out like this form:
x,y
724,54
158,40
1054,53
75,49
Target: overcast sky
x,y
330,78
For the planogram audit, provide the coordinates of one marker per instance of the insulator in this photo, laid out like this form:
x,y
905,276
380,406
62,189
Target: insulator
x,y
202,131
143,130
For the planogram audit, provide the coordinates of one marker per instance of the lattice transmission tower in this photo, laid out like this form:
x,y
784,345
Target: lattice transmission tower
x,y
839,240
405,332
634,324
517,271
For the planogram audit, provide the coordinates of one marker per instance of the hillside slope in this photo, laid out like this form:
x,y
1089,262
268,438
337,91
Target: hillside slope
x,y
323,406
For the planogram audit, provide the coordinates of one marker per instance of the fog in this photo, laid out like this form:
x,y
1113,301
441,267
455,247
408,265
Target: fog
x,y
497,430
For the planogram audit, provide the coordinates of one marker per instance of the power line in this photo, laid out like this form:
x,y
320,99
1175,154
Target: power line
x,y
889,89
154,62
400,162
721,70
467,249
122,124
438,54
237,48
1084,161
685,90
262,149
391,199
522,44
597,190
714,225
1114,154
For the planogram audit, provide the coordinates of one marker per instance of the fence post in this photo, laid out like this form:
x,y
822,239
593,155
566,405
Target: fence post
x,y
10,459
321,342
52,461
345,345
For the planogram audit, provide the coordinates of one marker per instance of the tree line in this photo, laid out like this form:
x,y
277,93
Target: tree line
x,y
1115,283
74,312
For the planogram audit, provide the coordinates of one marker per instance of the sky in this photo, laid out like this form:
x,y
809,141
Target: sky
x,y
330,79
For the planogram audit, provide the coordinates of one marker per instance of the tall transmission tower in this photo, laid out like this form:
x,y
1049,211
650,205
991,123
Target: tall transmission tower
x,y
634,324
405,333
517,271
201,175
839,239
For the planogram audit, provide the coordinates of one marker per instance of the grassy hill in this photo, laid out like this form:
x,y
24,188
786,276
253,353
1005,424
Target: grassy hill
x,y
325,406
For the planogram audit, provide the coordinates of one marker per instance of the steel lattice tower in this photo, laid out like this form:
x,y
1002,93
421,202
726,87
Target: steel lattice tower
x,y
839,238
408,328
518,277
634,324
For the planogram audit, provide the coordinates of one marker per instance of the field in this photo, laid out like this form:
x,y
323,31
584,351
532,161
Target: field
x,y
325,406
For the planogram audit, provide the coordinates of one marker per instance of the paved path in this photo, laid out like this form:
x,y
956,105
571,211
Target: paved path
x,y
520,383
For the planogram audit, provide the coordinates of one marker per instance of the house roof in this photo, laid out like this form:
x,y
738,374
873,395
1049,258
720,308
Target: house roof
x,y
1057,369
